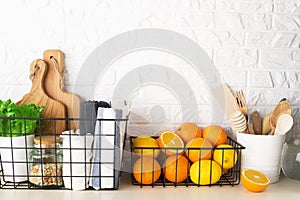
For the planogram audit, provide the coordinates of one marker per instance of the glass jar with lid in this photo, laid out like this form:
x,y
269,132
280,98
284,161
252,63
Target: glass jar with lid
x,y
46,161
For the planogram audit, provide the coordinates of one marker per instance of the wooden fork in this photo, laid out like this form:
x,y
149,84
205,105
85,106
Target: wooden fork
x,y
241,102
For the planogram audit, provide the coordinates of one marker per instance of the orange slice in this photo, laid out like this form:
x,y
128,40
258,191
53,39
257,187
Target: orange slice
x,y
171,143
254,181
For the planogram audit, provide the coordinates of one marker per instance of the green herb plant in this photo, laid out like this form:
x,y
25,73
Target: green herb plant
x,y
18,120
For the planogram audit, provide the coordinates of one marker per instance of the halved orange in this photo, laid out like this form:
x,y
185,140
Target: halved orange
x,y
254,180
170,142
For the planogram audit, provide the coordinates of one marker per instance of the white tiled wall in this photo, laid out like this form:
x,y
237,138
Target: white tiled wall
x,y
255,45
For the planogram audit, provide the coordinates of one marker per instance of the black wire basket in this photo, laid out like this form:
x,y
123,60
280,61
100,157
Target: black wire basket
x,y
78,161
156,173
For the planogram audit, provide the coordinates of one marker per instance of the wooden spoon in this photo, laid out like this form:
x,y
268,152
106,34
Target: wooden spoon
x,y
282,108
284,124
38,96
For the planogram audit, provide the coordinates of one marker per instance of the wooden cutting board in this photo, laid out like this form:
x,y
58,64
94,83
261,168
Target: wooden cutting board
x,y
54,86
38,96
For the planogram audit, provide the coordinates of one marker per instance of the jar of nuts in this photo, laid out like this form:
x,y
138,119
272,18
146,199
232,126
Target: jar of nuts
x,y
46,161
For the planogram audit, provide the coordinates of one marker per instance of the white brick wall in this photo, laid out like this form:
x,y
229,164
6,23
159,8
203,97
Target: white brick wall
x,y
255,44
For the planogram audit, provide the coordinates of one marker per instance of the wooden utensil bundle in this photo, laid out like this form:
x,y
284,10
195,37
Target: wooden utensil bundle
x,y
267,124
236,108
48,90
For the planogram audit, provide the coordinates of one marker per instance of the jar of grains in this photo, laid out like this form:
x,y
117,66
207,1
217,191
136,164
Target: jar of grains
x,y
46,161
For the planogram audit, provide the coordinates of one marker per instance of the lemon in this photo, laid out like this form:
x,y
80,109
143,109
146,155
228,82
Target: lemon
x,y
145,146
210,172
225,156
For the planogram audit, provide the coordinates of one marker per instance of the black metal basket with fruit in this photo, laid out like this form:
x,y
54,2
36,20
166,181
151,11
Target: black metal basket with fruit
x,y
189,156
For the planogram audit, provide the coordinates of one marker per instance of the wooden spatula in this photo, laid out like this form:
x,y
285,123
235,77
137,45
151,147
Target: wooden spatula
x,y
37,95
54,86
225,98
266,125
256,121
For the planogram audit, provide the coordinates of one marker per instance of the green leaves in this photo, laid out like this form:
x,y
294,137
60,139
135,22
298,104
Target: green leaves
x,y
18,120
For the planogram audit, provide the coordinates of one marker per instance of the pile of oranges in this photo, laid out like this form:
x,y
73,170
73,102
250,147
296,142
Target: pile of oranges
x,y
189,151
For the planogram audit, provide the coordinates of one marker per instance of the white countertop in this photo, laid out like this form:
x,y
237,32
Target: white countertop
x,y
285,188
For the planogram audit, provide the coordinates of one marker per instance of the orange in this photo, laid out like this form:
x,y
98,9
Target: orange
x,y
145,146
205,172
197,154
215,134
254,181
188,131
170,142
176,168
146,170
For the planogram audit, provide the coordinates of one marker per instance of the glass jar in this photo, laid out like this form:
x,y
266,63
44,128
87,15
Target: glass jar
x,y
46,160
291,160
